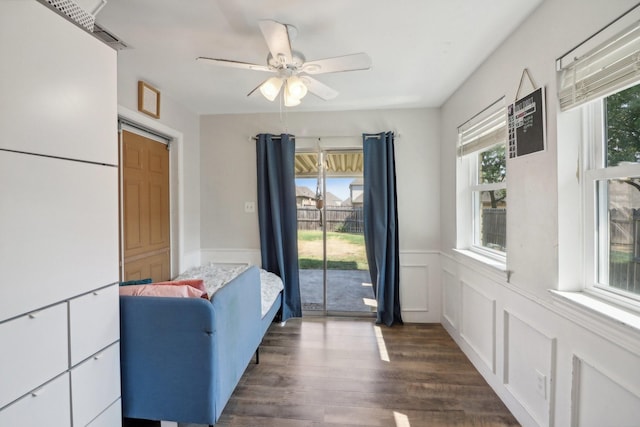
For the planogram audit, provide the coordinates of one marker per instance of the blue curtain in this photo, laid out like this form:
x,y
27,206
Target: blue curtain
x,y
277,215
381,225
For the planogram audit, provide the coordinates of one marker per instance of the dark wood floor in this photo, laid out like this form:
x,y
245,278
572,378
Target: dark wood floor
x,y
329,372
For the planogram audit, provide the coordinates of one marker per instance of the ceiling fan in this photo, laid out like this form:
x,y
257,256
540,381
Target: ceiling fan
x,y
291,68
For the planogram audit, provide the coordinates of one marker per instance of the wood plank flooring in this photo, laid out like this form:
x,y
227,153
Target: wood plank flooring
x,y
330,372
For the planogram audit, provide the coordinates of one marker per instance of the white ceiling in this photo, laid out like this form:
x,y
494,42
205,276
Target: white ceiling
x,y
422,50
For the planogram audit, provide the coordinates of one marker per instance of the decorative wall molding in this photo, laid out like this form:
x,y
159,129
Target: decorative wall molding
x,y
597,398
607,327
477,322
418,300
231,256
614,332
420,287
531,334
450,297
529,354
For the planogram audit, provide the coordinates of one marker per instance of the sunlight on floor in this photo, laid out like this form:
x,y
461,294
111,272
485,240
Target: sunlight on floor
x,y
382,347
370,302
401,419
367,284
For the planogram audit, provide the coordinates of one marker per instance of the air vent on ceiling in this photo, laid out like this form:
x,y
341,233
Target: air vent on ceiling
x,y
74,12
109,38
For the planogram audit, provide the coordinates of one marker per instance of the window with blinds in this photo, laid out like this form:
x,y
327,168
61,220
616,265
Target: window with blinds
x,y
483,180
602,76
487,129
605,63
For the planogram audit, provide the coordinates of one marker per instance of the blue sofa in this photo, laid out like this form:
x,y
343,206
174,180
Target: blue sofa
x,y
181,358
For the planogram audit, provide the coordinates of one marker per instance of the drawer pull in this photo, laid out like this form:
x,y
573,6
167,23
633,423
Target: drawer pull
x,y
96,293
97,356
34,314
36,393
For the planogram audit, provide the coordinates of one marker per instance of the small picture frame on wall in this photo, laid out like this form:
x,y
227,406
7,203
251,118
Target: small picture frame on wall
x,y
148,99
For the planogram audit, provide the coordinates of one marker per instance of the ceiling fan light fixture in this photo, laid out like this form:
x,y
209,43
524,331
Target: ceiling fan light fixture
x,y
289,99
271,88
296,87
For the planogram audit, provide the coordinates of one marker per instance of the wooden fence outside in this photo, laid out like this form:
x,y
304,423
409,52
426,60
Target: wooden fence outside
x,y
624,249
494,228
342,219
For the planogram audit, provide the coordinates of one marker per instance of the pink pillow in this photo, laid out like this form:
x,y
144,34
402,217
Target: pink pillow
x,y
195,283
155,290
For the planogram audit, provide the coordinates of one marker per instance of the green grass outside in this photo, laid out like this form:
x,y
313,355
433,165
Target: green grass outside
x,y
311,235
619,257
346,250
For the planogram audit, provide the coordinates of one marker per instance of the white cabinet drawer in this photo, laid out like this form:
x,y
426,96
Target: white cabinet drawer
x,y
112,417
59,230
34,350
95,384
47,406
95,322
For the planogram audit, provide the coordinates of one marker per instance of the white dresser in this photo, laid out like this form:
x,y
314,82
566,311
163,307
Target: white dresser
x,y
59,312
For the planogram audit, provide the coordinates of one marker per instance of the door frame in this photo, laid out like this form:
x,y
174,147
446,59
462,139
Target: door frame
x,y
179,261
325,310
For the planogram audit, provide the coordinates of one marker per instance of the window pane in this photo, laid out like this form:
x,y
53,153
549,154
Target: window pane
x,y
492,165
623,126
491,222
620,251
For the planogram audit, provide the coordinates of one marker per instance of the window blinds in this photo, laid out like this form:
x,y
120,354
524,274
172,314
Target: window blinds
x,y
597,67
485,130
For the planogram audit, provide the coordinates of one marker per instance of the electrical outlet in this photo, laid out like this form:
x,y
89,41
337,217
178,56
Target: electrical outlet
x,y
541,384
249,207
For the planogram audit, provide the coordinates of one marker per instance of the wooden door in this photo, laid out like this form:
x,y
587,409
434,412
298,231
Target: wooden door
x,y
145,212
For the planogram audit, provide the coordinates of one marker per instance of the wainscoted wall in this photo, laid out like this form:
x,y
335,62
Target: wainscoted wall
x,y
529,358
478,326
549,367
589,383
231,256
420,288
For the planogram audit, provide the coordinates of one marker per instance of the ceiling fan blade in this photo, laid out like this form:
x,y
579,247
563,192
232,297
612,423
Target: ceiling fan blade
x,y
277,37
234,64
354,62
256,88
319,89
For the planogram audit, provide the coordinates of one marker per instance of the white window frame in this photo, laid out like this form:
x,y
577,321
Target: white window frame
x,y
481,133
604,64
581,133
596,233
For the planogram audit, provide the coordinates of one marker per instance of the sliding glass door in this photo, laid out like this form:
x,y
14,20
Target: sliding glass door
x,y
334,275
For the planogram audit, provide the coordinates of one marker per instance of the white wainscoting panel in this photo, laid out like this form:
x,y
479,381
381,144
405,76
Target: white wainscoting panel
x,y
450,298
599,400
478,324
420,286
414,288
528,367
231,256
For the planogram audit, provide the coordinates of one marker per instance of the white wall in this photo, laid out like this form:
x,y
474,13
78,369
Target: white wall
x,y
184,125
533,351
228,165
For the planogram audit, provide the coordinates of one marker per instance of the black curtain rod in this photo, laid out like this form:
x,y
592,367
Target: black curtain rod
x,y
377,136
